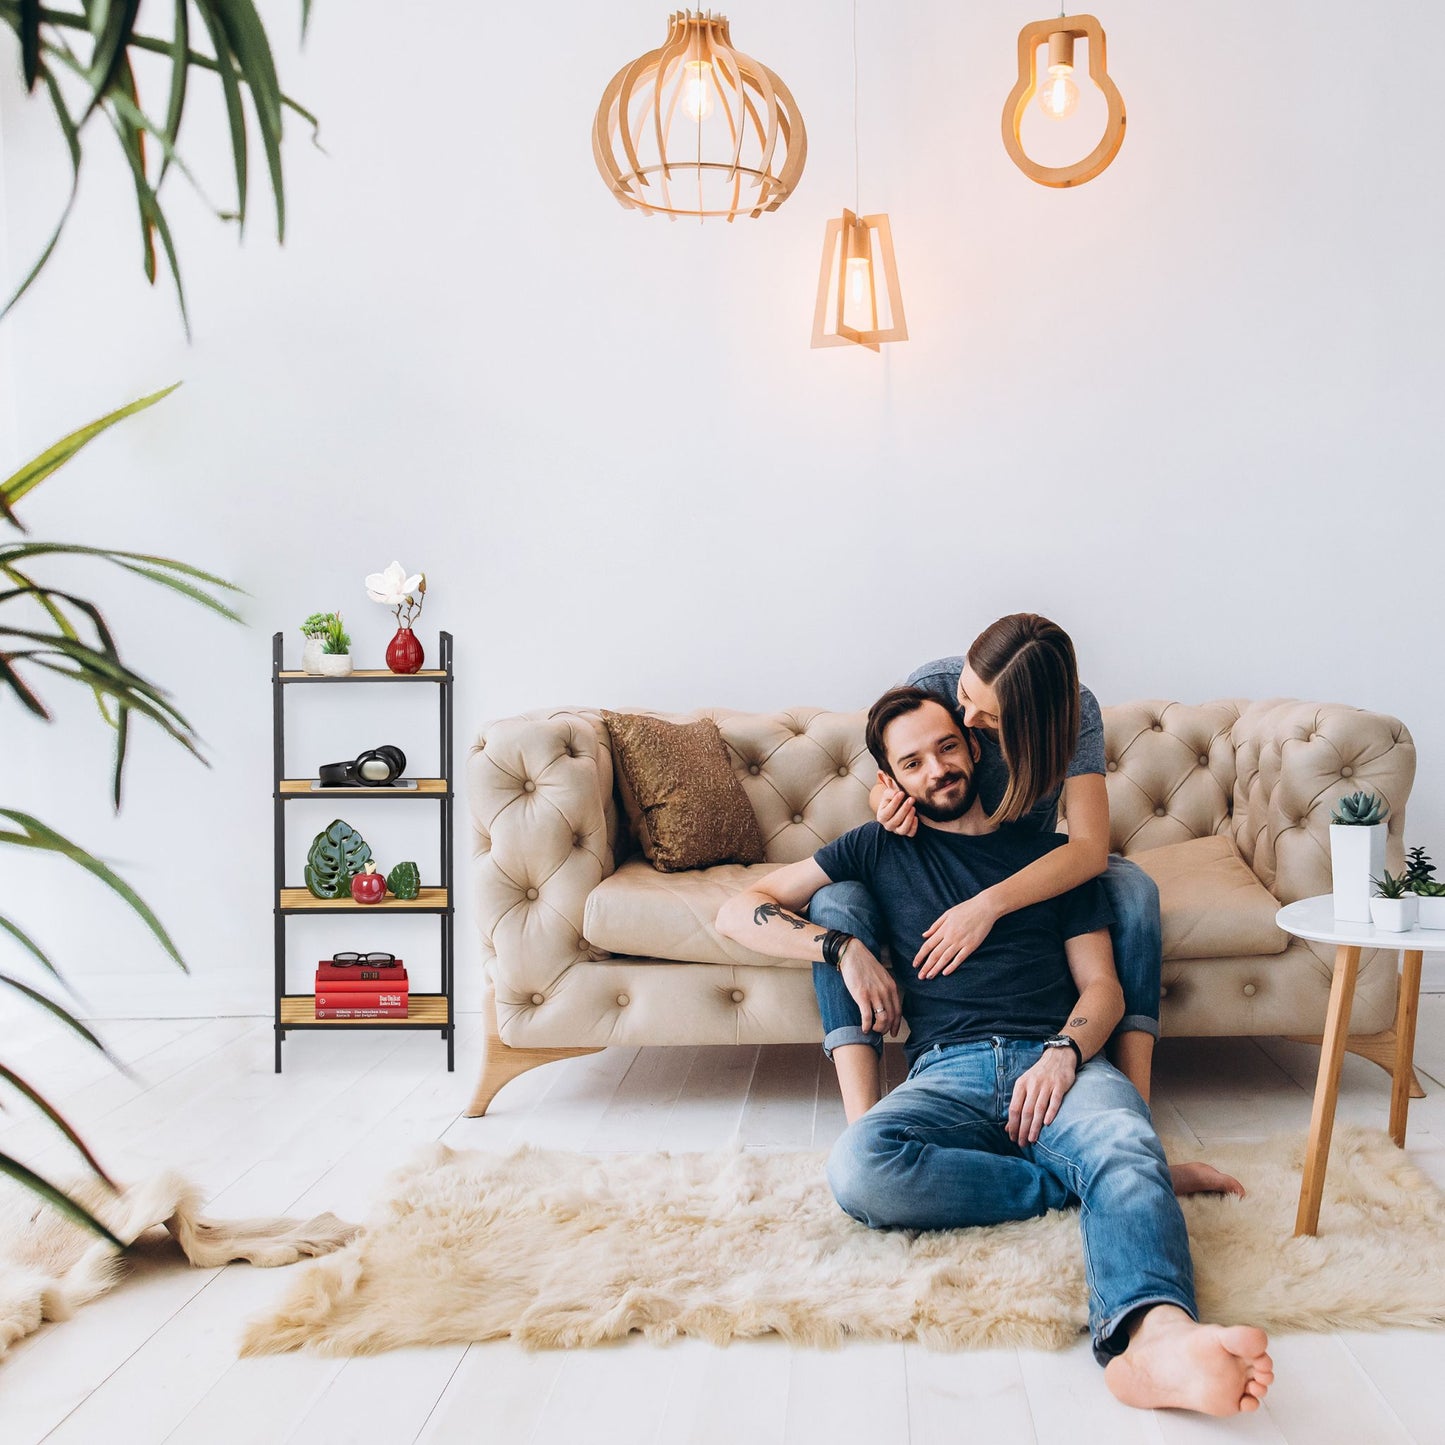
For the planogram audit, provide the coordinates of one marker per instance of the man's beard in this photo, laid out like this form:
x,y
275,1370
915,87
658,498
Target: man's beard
x,y
951,812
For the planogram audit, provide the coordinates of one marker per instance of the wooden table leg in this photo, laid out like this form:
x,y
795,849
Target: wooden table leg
x,y
1327,1088
1407,1010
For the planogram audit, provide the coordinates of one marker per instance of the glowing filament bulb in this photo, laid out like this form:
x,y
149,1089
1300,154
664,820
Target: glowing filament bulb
x,y
858,295
1058,95
696,97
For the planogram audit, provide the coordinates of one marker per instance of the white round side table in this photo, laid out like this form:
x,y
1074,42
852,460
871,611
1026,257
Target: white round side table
x,y
1314,919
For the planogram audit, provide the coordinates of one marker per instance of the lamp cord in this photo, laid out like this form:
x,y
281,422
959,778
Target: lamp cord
x,y
857,187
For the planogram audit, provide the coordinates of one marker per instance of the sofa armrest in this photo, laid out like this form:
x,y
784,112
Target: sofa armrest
x,y
540,793
1293,761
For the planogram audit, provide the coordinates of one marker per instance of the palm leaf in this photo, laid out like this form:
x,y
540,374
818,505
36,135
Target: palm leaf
x,y
231,93
54,1197
30,40
32,948
57,1119
64,1015
180,76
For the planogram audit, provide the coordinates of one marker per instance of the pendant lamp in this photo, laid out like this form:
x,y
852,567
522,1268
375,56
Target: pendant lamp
x,y
697,128
1058,95
859,302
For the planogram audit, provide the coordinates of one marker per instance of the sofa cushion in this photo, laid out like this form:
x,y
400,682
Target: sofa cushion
x,y
1211,903
648,914
681,795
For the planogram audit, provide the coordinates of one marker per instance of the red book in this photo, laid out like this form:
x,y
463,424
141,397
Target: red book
x,y
359,985
392,998
372,973
362,1013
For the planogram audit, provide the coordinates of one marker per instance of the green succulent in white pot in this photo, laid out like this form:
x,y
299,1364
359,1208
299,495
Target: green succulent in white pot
x,y
1429,891
335,648
1357,852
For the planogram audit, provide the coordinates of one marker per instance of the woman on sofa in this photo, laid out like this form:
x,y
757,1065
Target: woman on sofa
x,y
1042,739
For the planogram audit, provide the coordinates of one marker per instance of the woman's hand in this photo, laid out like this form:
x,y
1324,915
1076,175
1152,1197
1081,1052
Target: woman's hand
x,y
895,808
951,937
873,989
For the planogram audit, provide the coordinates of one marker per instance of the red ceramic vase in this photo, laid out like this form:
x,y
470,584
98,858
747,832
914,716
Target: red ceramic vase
x,y
403,652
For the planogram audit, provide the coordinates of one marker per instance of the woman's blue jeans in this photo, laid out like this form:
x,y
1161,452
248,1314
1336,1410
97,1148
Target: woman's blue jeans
x,y
1136,933
934,1155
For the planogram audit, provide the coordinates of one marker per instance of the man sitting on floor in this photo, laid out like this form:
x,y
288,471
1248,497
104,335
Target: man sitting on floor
x,y
1008,1110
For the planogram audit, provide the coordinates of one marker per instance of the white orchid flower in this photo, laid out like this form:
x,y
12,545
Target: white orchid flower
x,y
393,587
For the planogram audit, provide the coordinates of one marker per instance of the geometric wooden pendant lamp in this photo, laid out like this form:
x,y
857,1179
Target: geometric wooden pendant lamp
x,y
697,128
1058,95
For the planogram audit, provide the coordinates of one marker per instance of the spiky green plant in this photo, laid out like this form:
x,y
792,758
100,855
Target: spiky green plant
x,y
1360,810
47,632
88,46
1418,867
1428,888
336,640
1390,886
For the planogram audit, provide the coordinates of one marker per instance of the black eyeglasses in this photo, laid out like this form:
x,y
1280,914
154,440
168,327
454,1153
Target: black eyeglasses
x,y
345,960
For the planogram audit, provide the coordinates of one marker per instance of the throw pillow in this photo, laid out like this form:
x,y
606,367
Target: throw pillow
x,y
681,795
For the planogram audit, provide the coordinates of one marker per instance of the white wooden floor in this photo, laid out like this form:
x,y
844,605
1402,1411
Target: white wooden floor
x,y
156,1360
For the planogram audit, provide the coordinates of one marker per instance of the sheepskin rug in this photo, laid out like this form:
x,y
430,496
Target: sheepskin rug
x,y
559,1250
50,1266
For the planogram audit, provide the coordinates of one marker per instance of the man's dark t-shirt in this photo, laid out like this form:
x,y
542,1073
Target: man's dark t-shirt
x,y
1017,982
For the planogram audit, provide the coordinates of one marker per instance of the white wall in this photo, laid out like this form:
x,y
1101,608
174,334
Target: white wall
x,y
1190,409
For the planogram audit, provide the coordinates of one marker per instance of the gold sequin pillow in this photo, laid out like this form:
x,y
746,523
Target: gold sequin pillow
x,y
681,795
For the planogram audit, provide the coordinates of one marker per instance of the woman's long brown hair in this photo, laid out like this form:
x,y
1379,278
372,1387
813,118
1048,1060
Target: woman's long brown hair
x,y
1029,662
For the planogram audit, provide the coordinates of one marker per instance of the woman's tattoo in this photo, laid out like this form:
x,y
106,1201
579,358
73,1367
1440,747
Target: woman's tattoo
x,y
764,911
1078,1021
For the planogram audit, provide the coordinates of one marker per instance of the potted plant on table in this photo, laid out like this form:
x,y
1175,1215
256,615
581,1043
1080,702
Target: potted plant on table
x,y
1428,890
314,630
335,648
1357,852
1392,909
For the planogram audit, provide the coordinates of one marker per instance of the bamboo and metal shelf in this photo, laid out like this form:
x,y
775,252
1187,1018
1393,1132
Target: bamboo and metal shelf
x,y
425,1010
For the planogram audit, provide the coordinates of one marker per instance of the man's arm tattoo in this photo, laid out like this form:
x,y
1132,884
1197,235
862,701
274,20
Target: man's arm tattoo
x,y
1078,1021
765,911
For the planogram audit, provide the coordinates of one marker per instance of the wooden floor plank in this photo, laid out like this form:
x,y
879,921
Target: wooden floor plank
x,y
853,1396
985,1388
708,1112
498,1393
380,1397
637,1111
782,1099
1322,1393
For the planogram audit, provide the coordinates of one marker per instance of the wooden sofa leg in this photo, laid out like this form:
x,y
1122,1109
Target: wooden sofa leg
x,y
501,1063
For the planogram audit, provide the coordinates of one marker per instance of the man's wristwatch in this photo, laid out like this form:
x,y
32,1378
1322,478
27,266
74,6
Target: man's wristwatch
x,y
1063,1041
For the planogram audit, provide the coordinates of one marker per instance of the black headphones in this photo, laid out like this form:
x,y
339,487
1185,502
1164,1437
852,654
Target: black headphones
x,y
372,769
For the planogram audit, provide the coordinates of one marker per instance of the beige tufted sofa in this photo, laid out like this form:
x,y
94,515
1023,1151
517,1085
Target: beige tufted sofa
x,y
1225,804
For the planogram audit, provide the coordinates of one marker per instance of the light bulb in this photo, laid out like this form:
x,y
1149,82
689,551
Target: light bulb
x,y
1058,95
696,97
858,294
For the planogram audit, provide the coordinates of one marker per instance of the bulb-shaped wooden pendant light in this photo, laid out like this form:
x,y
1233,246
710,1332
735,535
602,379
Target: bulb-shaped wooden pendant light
x,y
859,301
1058,96
697,128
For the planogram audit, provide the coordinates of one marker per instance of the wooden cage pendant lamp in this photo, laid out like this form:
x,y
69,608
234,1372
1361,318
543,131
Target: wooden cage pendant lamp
x,y
697,128
857,253
1058,96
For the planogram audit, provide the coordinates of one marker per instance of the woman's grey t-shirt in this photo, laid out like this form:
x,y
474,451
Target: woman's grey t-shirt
x,y
940,678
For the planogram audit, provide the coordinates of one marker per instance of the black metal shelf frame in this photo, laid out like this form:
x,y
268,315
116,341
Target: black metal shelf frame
x,y
445,914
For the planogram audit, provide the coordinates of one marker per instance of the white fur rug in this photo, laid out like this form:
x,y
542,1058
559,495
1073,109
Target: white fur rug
x,y
557,1249
49,1265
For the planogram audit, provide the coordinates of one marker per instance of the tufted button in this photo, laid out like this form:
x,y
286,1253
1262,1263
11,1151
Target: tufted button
x,y
1158,728
1112,767
754,769
1203,760
842,772
532,894
797,817
1347,771
623,1000
576,840
1163,992
537,998
529,786
1161,812
737,995
1250,990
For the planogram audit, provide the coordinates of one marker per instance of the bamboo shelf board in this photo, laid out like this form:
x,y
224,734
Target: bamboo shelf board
x,y
368,674
425,788
423,1008
301,900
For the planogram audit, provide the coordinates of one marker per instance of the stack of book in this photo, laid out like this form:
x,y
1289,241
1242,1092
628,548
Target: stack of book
x,y
361,991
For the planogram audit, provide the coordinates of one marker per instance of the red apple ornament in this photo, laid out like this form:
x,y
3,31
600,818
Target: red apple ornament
x,y
369,886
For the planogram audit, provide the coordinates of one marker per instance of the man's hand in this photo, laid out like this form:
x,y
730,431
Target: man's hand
x,y
873,989
1038,1094
895,808
951,937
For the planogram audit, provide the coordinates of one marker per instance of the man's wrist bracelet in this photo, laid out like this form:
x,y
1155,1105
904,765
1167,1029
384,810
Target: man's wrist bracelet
x,y
834,942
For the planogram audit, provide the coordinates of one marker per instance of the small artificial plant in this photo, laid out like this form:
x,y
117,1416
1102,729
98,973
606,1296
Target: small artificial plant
x,y
1360,810
335,641
318,624
1428,888
1419,869
1390,886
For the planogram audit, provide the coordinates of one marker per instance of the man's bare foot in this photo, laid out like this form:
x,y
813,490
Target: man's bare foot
x,y
1173,1363
1201,1178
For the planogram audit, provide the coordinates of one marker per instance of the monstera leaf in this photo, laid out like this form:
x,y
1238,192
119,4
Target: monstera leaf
x,y
404,880
335,856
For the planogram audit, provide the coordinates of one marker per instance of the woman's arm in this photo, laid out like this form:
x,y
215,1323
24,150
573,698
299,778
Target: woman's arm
x,y
955,934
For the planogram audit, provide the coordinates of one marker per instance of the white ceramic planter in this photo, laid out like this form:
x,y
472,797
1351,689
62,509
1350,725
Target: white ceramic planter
x,y
1356,856
311,655
335,664
1394,915
1431,912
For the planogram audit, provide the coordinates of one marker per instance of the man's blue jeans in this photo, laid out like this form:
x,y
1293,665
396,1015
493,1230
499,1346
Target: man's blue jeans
x,y
1136,934
934,1155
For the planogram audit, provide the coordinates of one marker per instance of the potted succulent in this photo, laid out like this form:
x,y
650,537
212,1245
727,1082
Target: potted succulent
x,y
314,630
1428,890
1357,852
405,596
1392,908
335,649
